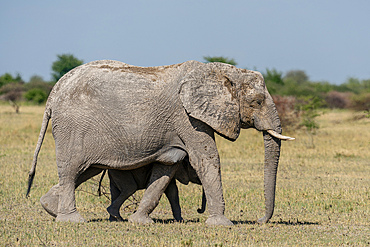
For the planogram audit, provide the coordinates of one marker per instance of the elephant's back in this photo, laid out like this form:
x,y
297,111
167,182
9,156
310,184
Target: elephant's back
x,y
108,82
109,96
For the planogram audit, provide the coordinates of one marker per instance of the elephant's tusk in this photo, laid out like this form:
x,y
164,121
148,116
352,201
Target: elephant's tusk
x,y
277,135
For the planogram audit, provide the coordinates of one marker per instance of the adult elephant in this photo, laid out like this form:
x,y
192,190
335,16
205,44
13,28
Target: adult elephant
x,y
108,114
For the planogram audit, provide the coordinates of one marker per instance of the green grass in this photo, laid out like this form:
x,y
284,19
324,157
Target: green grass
x,y
323,192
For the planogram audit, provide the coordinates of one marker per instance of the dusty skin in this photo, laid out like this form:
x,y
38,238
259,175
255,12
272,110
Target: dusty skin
x,y
321,194
108,114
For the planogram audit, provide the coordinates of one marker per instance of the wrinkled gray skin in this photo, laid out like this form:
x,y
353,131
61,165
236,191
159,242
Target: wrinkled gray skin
x,y
108,114
125,183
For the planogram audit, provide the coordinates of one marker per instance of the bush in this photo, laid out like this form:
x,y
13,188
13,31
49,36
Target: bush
x,y
44,86
287,110
335,99
8,78
12,92
361,102
36,95
309,108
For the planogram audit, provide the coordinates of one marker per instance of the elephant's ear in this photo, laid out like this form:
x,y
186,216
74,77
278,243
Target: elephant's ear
x,y
208,95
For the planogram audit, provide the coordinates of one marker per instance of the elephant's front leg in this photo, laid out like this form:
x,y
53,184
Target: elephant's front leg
x,y
204,158
159,180
208,169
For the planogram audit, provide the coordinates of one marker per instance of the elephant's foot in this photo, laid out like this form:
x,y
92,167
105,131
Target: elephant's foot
x,y
218,220
115,218
50,201
114,214
179,219
72,217
140,218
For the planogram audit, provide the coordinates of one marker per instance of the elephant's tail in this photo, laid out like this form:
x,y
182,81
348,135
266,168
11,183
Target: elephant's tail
x,y
44,126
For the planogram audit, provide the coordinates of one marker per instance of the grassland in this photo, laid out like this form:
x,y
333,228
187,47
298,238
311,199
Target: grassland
x,y
323,192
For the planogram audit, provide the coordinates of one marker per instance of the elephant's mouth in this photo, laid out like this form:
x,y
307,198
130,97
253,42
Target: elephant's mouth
x,y
279,136
246,125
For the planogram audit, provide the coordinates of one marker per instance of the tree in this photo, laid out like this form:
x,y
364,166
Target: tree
x,y
297,76
355,85
63,64
36,79
11,89
274,80
12,92
309,107
220,60
8,78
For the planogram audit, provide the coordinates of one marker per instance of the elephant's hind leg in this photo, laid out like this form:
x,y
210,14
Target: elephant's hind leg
x,y
50,201
122,186
67,201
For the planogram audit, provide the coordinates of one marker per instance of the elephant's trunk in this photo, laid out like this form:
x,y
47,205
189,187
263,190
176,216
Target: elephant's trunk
x,y
272,142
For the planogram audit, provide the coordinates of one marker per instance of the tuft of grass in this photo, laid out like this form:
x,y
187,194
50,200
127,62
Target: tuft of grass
x,y
322,195
343,155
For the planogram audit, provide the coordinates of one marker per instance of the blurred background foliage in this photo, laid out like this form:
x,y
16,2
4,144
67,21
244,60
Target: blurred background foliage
x,y
36,91
298,99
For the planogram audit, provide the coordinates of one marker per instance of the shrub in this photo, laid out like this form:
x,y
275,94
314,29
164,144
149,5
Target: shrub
x,y
12,92
287,110
8,78
44,86
361,102
335,99
36,95
308,106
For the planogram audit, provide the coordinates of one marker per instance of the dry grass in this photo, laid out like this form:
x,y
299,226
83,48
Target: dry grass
x,y
322,193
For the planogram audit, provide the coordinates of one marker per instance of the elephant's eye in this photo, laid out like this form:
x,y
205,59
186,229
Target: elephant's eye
x,y
256,103
260,99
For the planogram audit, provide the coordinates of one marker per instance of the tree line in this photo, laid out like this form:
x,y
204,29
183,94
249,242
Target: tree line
x,y
294,93
15,90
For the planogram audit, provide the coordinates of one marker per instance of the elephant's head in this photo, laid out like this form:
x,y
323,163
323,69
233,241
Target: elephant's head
x,y
227,99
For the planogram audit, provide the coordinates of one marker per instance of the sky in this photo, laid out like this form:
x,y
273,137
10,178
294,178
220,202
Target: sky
x,y
329,40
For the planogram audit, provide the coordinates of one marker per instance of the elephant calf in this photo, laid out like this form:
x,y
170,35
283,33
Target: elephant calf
x,y
125,183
